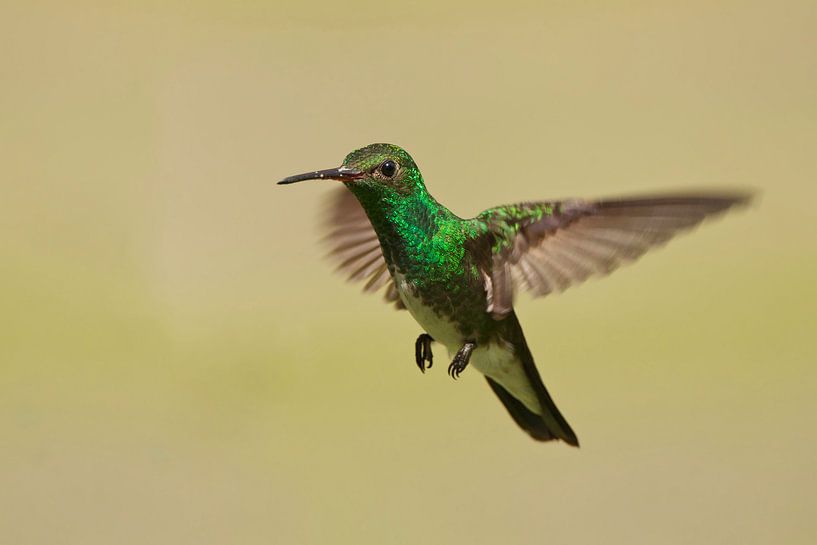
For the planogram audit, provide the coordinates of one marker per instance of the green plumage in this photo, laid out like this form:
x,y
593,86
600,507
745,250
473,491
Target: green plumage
x,y
458,276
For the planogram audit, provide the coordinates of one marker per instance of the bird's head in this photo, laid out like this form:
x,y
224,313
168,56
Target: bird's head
x,y
383,169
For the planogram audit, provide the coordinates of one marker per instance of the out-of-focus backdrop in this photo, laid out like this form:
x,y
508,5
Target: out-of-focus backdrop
x,y
178,364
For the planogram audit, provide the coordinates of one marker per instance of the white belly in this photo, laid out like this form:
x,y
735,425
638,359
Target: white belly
x,y
497,360
440,328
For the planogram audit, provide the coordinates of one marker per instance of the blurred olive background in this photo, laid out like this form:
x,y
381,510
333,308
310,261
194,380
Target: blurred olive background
x,y
178,364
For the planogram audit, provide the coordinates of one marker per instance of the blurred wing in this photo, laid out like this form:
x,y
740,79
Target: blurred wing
x,y
355,247
548,246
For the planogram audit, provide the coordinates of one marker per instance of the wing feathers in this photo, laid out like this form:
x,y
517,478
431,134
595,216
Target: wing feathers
x,y
354,246
542,247
552,246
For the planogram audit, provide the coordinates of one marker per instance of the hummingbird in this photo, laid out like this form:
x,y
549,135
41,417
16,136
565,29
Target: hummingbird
x,y
458,277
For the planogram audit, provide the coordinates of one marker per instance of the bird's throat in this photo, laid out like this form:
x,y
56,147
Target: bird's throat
x,y
408,225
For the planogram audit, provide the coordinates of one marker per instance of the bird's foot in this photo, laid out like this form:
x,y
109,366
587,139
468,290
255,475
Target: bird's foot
x,y
461,359
422,351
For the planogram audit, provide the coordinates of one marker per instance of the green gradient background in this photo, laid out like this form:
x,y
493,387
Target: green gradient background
x,y
179,365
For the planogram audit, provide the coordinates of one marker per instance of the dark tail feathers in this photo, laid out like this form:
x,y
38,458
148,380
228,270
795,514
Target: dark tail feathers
x,y
547,427
536,426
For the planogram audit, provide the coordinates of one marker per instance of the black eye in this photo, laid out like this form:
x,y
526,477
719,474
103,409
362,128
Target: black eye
x,y
388,168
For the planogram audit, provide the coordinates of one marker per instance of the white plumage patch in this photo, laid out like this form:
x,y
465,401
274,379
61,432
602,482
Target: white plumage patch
x,y
496,360
440,328
499,362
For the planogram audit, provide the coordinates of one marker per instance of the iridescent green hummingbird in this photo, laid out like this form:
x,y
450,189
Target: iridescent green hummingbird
x,y
457,277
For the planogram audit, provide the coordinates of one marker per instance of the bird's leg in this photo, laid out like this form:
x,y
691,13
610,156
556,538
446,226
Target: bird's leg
x,y
461,359
422,351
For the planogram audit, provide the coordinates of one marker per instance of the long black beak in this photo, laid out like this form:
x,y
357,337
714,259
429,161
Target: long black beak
x,y
342,174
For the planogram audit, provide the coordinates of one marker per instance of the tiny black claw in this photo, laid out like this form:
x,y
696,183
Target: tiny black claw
x,y
461,360
422,351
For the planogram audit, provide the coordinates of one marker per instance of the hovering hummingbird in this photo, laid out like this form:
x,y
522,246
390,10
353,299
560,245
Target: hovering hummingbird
x,y
457,277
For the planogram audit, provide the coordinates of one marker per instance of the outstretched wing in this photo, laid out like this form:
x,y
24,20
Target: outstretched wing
x,y
354,245
548,246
